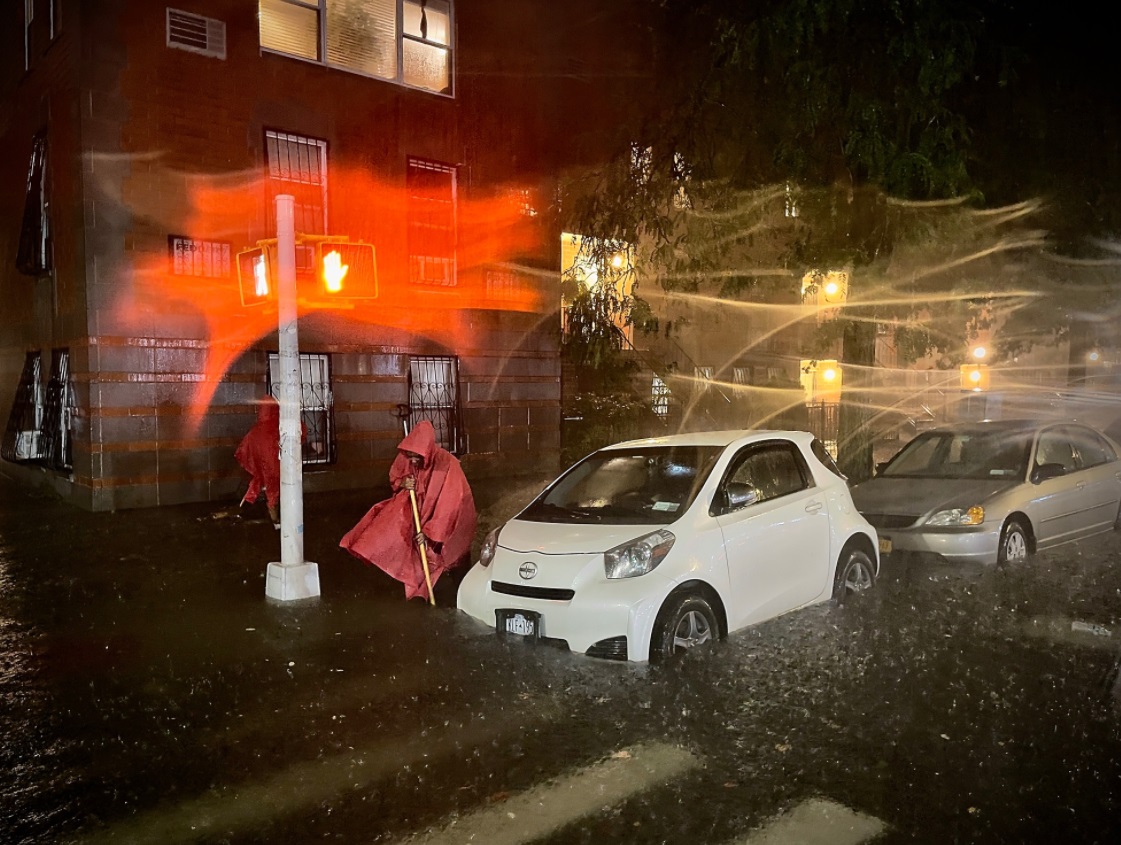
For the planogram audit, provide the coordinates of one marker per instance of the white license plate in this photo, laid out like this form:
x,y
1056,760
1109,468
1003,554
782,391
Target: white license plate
x,y
520,625
885,545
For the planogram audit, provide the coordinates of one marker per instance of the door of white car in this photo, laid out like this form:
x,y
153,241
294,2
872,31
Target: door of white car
x,y
777,544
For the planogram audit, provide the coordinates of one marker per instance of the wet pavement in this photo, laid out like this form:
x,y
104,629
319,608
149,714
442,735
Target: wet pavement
x,y
150,693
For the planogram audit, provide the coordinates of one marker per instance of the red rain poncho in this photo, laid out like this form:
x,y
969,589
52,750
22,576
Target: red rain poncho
x,y
385,536
259,453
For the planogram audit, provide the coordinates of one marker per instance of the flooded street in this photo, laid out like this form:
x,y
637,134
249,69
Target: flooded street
x,y
150,693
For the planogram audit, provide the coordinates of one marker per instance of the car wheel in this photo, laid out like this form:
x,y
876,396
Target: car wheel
x,y
686,622
1013,544
856,574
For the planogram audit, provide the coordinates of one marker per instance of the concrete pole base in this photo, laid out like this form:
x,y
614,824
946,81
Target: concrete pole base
x,y
292,582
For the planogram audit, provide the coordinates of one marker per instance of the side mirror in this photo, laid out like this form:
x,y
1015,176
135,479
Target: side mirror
x,y
1045,471
738,495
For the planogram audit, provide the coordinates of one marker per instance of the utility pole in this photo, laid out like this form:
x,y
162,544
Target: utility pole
x,y
292,578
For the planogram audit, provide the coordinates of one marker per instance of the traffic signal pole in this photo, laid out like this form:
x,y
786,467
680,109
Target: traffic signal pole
x,y
292,578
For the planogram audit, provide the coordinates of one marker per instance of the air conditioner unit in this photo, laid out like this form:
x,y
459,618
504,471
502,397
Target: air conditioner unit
x,y
27,446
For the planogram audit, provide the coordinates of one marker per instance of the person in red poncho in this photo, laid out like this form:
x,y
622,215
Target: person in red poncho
x,y
386,536
259,455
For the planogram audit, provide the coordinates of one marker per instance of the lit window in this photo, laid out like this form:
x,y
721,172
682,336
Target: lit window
x,y
431,222
34,257
317,405
434,396
403,41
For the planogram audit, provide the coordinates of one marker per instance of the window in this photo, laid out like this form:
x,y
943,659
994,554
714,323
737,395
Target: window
x,y
56,18
35,254
317,405
741,375
434,396
298,166
191,257
659,397
703,376
404,41
22,441
28,19
772,470
58,411
431,222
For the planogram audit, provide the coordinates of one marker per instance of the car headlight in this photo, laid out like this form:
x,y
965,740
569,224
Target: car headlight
x,y
490,545
638,556
958,516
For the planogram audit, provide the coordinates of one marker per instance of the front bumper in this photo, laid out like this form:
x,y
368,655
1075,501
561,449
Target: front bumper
x,y
597,613
972,544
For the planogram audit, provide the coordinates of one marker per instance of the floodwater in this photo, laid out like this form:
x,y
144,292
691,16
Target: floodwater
x,y
150,693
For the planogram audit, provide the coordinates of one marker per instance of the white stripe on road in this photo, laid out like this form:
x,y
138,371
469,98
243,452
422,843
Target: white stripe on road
x,y
818,822
539,811
235,810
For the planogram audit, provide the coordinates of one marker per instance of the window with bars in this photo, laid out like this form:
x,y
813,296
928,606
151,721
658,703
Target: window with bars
x,y
28,20
741,375
297,165
431,222
660,397
434,396
703,376
317,405
193,257
38,427
404,41
35,254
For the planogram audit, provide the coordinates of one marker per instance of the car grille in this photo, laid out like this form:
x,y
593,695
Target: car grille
x,y
890,520
614,648
548,593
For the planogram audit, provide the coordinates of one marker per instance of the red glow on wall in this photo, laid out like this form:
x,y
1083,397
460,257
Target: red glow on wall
x,y
494,237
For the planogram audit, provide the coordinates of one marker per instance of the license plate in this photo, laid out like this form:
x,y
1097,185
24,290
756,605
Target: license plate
x,y
885,545
523,623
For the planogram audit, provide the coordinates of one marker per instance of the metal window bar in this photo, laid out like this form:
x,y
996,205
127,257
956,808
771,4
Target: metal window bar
x,y
34,255
21,438
58,411
434,396
317,406
297,165
660,397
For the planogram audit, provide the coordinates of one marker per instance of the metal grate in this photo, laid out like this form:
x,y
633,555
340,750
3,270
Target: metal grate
x,y
434,396
297,165
196,34
58,410
660,397
21,438
317,405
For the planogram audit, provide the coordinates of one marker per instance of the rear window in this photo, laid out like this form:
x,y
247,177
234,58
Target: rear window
x,y
822,454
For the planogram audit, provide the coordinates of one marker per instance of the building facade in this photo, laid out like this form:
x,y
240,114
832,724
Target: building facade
x,y
145,146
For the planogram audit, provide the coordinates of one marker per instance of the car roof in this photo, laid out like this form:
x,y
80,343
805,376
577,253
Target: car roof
x,y
1013,426
714,438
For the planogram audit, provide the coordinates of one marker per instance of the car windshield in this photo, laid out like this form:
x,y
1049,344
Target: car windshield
x,y
642,486
963,454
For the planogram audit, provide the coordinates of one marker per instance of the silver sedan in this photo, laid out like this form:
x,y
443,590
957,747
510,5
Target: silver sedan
x,y
994,492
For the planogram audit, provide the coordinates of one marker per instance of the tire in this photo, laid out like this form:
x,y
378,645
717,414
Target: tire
x,y
856,574
1014,548
685,622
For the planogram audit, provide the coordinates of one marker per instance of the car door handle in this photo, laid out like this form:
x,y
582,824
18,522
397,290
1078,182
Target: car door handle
x,y
813,507
1081,485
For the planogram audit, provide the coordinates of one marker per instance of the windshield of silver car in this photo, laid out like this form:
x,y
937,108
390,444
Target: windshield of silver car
x,y
963,454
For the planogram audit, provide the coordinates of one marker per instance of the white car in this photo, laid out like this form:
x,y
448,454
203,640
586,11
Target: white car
x,y
652,546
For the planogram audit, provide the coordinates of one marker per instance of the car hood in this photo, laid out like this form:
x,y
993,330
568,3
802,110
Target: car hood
x,y
916,496
563,538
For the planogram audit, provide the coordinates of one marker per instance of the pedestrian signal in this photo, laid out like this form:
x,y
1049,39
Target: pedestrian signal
x,y
347,269
974,377
255,276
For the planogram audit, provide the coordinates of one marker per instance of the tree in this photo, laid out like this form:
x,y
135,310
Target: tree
x,y
858,113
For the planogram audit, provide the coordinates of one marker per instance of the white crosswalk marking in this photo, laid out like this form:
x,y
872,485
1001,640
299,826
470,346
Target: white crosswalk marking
x,y
817,822
543,809
245,808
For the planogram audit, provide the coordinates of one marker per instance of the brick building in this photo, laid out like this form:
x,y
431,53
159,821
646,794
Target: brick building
x,y
144,146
